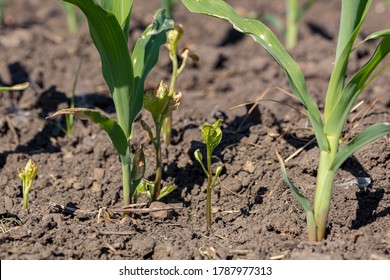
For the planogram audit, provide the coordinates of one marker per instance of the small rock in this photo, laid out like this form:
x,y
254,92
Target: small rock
x,y
78,186
163,214
98,174
96,187
8,203
249,167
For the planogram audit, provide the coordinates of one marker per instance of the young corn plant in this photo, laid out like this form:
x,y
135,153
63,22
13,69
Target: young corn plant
x,y
27,175
294,13
212,136
340,97
124,73
160,104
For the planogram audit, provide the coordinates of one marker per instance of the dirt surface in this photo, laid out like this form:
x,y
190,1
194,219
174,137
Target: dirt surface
x,y
255,214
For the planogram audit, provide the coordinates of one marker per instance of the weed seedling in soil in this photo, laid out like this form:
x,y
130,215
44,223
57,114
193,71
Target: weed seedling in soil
x,y
27,175
340,97
212,136
125,74
160,104
173,38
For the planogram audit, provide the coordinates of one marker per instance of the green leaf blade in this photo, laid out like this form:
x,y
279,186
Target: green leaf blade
x,y
110,126
367,136
212,135
264,37
117,69
146,53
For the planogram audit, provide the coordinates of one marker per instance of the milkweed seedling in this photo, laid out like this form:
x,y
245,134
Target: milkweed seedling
x,y
125,74
340,97
212,136
27,175
160,104
173,38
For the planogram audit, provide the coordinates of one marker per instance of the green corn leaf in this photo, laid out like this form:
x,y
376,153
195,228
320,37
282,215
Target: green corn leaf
x,y
367,136
110,126
264,37
376,35
122,11
302,199
310,219
212,135
353,89
22,86
117,69
352,13
146,52
352,18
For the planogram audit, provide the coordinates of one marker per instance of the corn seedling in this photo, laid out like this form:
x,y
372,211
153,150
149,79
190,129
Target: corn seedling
x,y
340,97
71,16
294,13
69,119
124,73
160,104
173,38
27,175
212,136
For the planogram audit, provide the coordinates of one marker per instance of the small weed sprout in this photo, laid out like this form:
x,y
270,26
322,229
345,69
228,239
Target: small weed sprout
x,y
160,104
27,175
212,136
173,38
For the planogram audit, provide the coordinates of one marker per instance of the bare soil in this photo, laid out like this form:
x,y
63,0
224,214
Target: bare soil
x,y
255,214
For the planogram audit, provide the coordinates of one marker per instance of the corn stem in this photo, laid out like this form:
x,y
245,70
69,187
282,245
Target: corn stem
x,y
324,189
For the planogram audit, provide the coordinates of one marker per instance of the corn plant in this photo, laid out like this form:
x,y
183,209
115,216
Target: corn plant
x,y
160,104
27,175
124,73
294,13
340,97
212,136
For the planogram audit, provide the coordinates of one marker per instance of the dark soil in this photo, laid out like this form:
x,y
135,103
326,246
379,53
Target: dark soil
x,y
255,214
